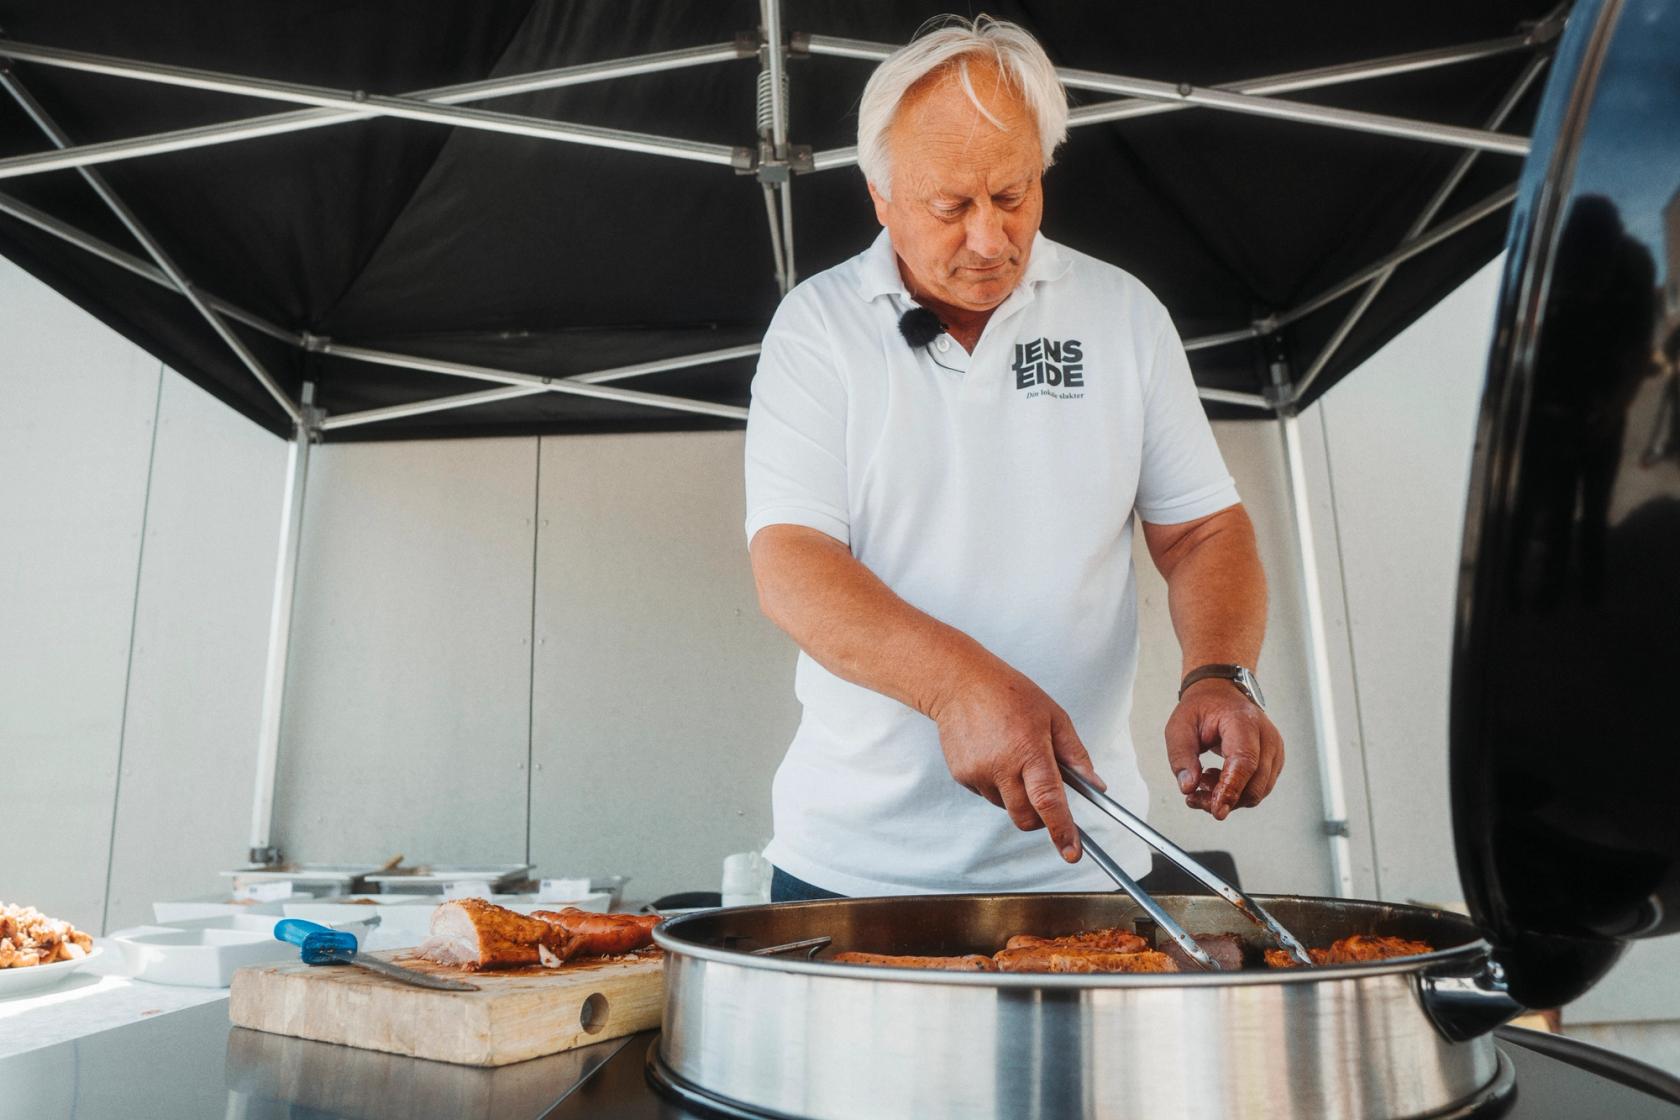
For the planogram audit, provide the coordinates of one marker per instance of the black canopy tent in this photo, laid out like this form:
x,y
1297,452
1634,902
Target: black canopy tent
x,y
551,218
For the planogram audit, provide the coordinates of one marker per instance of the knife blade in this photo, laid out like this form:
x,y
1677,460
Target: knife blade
x,y
323,945
397,972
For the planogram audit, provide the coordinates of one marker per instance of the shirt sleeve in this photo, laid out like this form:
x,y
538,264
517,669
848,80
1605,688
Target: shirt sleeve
x,y
796,428
1183,475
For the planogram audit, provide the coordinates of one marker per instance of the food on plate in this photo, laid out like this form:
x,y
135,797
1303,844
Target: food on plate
x,y
1115,939
973,962
1356,949
1051,958
473,934
601,935
28,937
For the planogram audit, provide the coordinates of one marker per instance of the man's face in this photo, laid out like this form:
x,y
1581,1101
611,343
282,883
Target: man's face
x,y
966,195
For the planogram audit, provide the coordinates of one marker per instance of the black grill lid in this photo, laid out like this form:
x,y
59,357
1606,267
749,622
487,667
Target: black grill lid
x,y
1565,720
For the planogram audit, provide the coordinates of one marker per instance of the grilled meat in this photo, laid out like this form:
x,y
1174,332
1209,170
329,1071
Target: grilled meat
x,y
1049,958
28,937
601,935
1226,949
1116,940
473,934
1355,949
973,962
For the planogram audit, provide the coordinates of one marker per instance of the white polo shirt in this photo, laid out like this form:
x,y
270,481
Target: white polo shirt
x,y
995,492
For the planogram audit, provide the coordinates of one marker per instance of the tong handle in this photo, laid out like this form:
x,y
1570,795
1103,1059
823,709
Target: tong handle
x,y
1250,909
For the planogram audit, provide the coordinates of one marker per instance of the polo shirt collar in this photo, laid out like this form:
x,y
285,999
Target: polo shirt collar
x,y
878,273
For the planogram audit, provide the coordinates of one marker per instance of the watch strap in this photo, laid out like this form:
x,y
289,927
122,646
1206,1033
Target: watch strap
x,y
1238,675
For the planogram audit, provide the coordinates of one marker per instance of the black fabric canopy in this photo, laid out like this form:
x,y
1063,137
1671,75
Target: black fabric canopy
x,y
525,255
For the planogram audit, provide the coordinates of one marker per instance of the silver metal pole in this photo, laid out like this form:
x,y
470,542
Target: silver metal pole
x,y
1461,167
121,210
374,104
777,253
467,400
420,408
1208,341
1316,78
46,223
1185,94
1228,396
1409,249
777,65
787,233
551,384
263,850
298,120
1318,664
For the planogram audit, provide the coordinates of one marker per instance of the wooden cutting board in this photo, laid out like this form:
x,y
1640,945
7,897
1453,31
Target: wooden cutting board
x,y
516,1014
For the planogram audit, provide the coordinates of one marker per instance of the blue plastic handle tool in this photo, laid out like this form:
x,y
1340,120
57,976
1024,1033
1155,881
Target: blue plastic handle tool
x,y
320,945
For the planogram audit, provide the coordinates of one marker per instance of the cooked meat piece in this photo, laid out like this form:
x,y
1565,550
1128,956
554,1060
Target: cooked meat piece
x,y
1226,949
1355,949
1116,939
971,963
1042,958
473,934
28,937
601,935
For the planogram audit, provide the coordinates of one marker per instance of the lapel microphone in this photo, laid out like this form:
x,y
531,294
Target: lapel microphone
x,y
919,326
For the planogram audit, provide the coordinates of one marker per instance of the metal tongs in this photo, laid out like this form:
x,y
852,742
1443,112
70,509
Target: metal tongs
x,y
1250,909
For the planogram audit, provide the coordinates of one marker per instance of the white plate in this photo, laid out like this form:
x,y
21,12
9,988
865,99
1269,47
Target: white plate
x,y
206,952
32,978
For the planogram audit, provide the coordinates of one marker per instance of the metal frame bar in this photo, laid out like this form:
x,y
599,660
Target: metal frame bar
x,y
1331,779
576,386
1245,99
420,408
1229,396
373,104
280,636
1427,215
116,205
299,120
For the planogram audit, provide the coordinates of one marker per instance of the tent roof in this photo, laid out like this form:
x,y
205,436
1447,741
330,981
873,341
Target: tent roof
x,y
520,255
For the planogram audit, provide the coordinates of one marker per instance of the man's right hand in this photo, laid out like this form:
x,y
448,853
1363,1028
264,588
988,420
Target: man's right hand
x,y
1003,736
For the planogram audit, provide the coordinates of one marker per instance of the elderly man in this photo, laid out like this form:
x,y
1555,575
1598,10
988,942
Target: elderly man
x,y
949,436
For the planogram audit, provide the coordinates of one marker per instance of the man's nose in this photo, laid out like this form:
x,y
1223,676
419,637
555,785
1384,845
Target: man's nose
x,y
986,239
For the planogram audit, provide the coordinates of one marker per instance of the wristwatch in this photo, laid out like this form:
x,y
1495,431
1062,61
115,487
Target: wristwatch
x,y
1238,675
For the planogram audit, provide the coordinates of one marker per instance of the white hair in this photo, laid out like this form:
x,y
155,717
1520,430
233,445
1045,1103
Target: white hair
x,y
949,43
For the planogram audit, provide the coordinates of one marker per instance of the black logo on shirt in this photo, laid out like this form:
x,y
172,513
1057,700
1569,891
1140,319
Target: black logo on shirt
x,y
1044,361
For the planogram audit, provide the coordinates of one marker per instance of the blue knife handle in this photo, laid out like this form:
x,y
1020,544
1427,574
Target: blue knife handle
x,y
320,945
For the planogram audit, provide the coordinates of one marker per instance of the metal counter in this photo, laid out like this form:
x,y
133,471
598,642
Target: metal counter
x,y
191,1065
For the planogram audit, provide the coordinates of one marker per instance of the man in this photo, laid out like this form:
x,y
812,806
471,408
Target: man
x,y
949,436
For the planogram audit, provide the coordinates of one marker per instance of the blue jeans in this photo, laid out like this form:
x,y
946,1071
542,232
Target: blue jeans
x,y
785,888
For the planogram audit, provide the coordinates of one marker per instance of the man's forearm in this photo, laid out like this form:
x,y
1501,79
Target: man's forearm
x,y
1216,588
855,626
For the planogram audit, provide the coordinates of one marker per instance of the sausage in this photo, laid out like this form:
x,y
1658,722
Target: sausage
x,y
973,962
600,935
1041,958
1116,939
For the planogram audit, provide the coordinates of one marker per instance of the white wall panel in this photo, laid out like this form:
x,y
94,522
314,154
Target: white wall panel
x,y
663,698
77,405
1400,431
201,633
406,721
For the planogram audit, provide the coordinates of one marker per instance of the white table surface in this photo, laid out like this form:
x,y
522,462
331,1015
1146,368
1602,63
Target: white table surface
x,y
96,997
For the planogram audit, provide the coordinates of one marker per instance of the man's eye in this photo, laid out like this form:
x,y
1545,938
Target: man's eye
x,y
1009,200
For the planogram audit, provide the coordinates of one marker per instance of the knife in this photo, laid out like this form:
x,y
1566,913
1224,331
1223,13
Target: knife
x,y
322,945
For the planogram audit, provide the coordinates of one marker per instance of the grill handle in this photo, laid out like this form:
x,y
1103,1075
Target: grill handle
x,y
1466,999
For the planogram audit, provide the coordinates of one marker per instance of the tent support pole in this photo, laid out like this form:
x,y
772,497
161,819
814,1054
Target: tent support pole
x,y
297,120
263,850
116,205
1330,776
1454,177
361,102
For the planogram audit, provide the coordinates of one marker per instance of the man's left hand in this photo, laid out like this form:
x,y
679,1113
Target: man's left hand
x,y
1214,715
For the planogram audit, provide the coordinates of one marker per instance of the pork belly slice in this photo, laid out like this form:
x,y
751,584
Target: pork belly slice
x,y
972,962
1114,939
1050,958
601,935
474,934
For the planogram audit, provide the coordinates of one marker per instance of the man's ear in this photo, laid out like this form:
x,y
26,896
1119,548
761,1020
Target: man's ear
x,y
881,203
